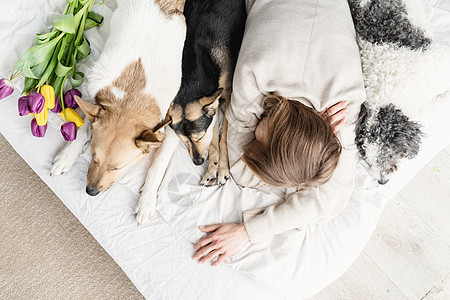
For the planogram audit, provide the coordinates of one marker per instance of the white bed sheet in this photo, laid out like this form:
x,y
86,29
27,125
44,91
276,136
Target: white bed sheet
x,y
157,257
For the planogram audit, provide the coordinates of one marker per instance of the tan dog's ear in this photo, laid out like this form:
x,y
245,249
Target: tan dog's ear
x,y
149,140
91,110
211,103
167,120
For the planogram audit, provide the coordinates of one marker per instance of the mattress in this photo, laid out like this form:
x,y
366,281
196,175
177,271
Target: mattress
x,y
157,256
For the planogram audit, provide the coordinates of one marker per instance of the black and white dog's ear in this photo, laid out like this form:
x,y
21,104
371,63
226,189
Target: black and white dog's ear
x,y
211,102
414,136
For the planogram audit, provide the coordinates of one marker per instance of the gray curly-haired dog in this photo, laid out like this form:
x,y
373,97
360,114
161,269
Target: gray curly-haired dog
x,y
404,72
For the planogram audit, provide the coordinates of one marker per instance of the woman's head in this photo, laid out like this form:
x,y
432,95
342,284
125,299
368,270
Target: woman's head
x,y
294,145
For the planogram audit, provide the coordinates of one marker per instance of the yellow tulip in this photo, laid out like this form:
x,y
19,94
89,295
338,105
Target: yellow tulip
x,y
49,94
42,117
72,116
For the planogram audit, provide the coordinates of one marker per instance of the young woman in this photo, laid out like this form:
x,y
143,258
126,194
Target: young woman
x,y
306,51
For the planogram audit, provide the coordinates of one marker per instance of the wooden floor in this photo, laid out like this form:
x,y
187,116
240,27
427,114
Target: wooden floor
x,y
408,256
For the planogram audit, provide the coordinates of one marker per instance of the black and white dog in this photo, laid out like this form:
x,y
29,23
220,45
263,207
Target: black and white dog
x,y
405,75
215,29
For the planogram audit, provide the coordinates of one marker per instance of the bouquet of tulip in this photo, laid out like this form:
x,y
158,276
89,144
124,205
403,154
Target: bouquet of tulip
x,y
49,64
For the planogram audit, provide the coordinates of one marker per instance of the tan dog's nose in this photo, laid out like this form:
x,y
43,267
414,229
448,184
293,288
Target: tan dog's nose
x,y
92,191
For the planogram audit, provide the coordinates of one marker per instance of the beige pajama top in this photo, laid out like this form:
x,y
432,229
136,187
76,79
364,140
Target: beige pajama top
x,y
303,50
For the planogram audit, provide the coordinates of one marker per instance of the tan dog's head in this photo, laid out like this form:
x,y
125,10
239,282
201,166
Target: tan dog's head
x,y
117,140
123,128
194,124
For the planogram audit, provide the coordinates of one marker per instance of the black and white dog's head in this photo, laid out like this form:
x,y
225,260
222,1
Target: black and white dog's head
x,y
385,136
194,123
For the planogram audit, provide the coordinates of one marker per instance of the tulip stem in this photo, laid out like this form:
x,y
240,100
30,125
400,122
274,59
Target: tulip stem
x,y
61,99
14,76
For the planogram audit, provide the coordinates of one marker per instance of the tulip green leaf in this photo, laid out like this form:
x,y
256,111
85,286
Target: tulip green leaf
x,y
62,70
90,24
73,3
76,82
95,17
93,20
38,70
45,37
51,66
29,84
28,72
84,49
73,61
79,15
37,54
63,67
65,23
58,84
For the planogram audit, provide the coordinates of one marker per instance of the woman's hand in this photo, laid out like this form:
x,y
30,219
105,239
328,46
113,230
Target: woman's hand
x,y
335,114
223,241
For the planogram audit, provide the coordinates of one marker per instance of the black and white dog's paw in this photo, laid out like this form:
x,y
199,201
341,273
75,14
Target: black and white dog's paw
x,y
210,178
223,175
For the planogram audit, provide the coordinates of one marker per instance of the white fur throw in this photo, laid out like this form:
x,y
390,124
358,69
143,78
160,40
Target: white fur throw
x,y
405,75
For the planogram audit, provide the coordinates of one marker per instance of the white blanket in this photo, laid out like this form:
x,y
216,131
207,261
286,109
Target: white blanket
x,y
157,257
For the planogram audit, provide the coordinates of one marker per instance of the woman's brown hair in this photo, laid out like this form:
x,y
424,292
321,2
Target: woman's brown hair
x,y
302,149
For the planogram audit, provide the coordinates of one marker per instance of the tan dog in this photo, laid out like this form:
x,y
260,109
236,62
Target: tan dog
x,y
134,81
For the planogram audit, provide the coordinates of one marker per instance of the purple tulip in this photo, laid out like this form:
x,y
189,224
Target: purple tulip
x,y
57,109
33,103
36,130
69,131
6,88
69,98
23,106
36,102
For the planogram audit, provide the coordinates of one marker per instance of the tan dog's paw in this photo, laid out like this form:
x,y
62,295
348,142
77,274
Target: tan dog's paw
x,y
224,175
210,177
64,160
145,209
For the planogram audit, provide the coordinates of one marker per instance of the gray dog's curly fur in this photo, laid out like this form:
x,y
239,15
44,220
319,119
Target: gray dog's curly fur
x,y
386,21
386,132
395,136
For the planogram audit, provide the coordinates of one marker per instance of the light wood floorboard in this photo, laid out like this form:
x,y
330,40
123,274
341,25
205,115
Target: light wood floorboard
x,y
408,251
440,291
380,287
429,195
408,256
